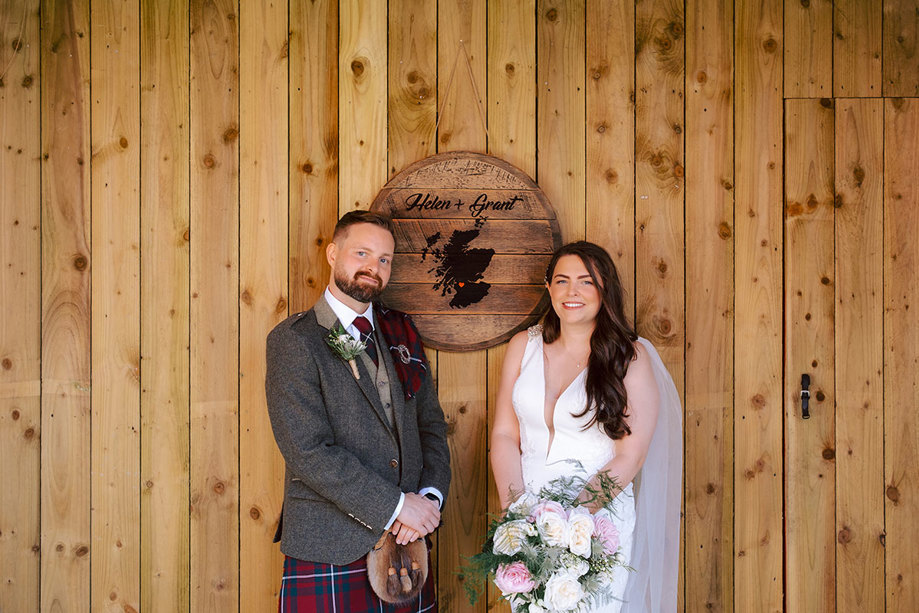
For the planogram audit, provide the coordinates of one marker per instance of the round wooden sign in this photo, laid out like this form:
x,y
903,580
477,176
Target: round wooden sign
x,y
474,235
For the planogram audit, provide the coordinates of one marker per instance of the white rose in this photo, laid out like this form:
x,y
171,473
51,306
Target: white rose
x,y
580,529
535,608
524,504
510,536
553,529
563,592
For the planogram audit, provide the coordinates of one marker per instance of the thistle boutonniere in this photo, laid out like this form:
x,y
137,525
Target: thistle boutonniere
x,y
346,347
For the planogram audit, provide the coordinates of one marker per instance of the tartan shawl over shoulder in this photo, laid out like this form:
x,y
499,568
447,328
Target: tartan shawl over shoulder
x,y
405,347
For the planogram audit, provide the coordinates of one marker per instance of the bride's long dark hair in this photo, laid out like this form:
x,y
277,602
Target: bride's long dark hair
x,y
611,344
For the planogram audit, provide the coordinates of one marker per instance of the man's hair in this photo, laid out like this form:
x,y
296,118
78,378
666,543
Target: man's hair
x,y
355,217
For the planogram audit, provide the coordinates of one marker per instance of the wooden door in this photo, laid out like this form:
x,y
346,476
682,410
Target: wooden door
x,y
850,244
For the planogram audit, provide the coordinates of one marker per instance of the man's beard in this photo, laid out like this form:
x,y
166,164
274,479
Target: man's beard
x,y
355,289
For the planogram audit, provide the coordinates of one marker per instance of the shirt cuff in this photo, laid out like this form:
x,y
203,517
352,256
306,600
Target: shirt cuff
x,y
395,513
436,492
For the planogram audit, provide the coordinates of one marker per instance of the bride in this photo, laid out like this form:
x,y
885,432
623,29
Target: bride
x,y
582,392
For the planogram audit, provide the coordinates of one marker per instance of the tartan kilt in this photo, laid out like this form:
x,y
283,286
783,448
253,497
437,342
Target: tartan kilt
x,y
313,587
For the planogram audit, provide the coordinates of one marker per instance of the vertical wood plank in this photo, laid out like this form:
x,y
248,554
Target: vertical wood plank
x,y
857,48
462,377
610,161
512,128
362,96
263,288
561,146
412,71
709,428
901,352
461,126
20,303
810,471
859,355
164,306
66,306
659,70
314,151
511,70
758,466
214,188
115,76
901,47
808,48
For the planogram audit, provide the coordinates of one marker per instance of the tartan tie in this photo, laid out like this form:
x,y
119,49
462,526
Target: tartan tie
x,y
366,330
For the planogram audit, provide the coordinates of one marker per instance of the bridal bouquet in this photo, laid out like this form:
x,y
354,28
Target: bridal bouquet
x,y
547,553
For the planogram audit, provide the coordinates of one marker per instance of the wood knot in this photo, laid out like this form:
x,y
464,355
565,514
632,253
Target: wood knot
x,y
820,396
510,69
59,547
724,230
80,262
601,128
769,45
148,484
829,453
824,280
758,401
678,171
710,488
807,317
357,67
893,494
27,81
837,201
230,134
280,306
462,409
254,513
677,128
662,268
310,282
657,160
552,14
664,44
806,3
858,173
246,297
220,487
209,160
844,536
727,185
29,434
113,596
793,209
664,326
826,103
80,551
16,45
123,142
307,168
611,176
186,236
7,365
15,413
676,28
701,77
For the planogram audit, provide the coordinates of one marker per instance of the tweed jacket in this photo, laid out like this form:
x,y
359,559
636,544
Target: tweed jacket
x,y
346,465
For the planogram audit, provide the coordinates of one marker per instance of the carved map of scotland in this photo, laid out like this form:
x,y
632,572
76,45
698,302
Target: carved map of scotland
x,y
473,237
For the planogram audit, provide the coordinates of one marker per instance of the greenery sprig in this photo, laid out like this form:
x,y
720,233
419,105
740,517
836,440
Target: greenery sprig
x,y
346,347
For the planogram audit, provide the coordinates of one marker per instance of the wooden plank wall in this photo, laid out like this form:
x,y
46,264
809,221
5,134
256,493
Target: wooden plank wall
x,y
170,174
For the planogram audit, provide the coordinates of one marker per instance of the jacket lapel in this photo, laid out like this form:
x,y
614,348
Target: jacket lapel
x,y
327,320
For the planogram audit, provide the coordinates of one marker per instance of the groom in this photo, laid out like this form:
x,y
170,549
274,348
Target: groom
x,y
365,449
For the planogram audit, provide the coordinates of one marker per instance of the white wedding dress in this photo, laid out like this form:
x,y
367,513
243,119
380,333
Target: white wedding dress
x,y
543,460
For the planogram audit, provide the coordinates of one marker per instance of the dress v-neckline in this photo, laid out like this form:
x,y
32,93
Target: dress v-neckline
x,y
551,431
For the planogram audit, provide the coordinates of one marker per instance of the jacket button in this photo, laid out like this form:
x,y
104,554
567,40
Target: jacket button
x,y
394,463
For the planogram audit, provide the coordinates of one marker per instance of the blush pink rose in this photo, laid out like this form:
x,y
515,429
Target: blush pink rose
x,y
547,506
514,578
607,533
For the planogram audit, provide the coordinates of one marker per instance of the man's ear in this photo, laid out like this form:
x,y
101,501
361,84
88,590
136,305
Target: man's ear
x,y
331,252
